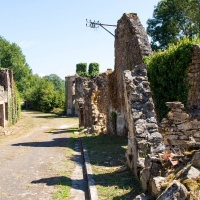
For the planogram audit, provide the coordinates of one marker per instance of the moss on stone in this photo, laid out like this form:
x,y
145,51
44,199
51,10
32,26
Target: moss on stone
x,y
190,153
191,184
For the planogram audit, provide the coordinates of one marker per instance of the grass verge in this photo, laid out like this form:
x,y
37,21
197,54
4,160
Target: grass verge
x,y
64,186
107,158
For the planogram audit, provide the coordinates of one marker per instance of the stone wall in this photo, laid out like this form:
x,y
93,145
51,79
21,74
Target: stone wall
x,y
71,109
144,140
92,98
131,43
183,123
194,78
6,93
178,127
120,102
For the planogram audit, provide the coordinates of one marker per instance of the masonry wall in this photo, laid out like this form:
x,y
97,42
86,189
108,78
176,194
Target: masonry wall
x,y
194,78
121,100
7,97
92,98
131,43
71,109
183,124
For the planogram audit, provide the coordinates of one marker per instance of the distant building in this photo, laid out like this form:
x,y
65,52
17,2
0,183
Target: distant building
x,y
70,96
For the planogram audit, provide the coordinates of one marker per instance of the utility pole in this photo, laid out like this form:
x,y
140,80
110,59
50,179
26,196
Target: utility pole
x,y
97,24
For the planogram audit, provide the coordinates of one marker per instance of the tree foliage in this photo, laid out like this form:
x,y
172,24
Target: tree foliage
x,y
81,69
172,20
58,83
93,70
44,97
43,94
167,71
11,57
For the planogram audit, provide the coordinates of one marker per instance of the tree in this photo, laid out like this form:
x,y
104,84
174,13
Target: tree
x,y
58,83
42,96
172,20
11,57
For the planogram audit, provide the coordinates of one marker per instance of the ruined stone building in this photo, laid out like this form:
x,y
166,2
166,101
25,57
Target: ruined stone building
x,y
6,94
120,102
70,96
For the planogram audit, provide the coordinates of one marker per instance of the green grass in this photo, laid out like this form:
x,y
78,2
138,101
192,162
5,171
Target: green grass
x,y
64,186
107,157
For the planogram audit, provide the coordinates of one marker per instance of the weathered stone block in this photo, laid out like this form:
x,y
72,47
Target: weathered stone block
x,y
140,163
145,174
196,160
197,134
155,136
193,173
175,191
174,105
141,197
156,185
183,137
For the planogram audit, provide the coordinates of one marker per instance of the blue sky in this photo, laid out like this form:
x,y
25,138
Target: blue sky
x,y
53,34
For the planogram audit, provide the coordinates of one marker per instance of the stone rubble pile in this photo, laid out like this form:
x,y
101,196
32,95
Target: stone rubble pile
x,y
178,127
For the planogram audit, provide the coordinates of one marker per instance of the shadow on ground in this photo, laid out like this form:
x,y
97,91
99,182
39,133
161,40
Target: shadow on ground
x,y
57,142
61,130
58,180
54,116
105,152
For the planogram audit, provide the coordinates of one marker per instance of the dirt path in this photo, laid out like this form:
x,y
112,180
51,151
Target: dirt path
x,y
32,156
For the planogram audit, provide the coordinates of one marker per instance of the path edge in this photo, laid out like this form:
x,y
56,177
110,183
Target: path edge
x,y
92,190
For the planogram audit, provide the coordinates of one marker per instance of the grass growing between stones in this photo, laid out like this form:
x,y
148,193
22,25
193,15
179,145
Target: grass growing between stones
x,y
63,188
107,158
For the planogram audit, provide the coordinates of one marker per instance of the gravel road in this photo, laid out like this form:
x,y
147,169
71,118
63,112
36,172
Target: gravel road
x,y
29,163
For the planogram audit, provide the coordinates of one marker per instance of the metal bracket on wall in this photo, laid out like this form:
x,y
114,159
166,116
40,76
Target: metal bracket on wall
x,y
97,24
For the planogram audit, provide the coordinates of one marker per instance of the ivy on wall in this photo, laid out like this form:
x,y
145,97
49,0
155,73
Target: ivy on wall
x,y
93,71
81,69
167,72
14,107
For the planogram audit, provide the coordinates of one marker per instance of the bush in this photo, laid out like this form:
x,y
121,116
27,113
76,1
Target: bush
x,y
81,69
93,70
167,72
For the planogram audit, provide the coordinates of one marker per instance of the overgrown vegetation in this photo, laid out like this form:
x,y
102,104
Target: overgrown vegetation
x,y
14,107
93,70
46,93
172,20
167,71
112,178
43,94
81,69
11,57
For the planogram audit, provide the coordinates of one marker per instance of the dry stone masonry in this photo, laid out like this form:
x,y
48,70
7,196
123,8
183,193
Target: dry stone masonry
x,y
143,138
164,156
91,98
70,96
6,93
194,78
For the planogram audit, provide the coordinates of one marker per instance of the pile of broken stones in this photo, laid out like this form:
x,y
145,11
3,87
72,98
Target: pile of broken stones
x,y
180,178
